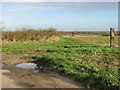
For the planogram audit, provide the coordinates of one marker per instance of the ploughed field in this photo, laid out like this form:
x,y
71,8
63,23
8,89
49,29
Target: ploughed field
x,y
84,57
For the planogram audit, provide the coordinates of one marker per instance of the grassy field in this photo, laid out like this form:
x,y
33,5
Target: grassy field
x,y
85,57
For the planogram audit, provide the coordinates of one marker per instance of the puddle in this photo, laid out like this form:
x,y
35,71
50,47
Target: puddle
x,y
26,66
29,66
2,65
40,65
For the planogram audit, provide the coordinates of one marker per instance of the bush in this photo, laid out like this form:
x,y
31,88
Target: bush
x,y
28,34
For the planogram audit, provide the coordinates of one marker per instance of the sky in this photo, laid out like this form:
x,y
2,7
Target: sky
x,y
64,16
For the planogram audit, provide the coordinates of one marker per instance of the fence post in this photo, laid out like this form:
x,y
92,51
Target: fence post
x,y
112,36
73,33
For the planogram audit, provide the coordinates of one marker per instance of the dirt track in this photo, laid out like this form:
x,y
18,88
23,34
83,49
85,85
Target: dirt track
x,y
13,77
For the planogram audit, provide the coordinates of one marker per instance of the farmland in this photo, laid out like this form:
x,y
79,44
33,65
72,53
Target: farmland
x,y
84,57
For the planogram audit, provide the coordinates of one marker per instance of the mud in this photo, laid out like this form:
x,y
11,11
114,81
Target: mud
x,y
27,78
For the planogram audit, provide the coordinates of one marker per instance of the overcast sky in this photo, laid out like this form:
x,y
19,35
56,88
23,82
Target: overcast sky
x,y
67,16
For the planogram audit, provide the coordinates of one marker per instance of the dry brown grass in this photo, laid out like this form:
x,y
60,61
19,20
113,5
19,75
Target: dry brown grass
x,y
29,35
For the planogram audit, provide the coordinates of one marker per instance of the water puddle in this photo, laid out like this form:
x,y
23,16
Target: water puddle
x,y
2,65
31,66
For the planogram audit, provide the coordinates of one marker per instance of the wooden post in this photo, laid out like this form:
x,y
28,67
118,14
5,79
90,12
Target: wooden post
x,y
112,35
73,33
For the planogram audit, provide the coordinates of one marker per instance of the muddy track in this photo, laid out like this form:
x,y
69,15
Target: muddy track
x,y
20,78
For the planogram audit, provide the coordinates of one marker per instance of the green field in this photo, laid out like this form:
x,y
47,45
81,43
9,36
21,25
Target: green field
x,y
87,58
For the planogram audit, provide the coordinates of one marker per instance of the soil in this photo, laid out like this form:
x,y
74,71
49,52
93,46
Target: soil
x,y
13,77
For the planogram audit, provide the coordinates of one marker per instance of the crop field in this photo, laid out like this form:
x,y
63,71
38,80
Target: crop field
x,y
85,57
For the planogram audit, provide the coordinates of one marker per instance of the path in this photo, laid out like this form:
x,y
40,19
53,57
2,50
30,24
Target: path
x,y
13,77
